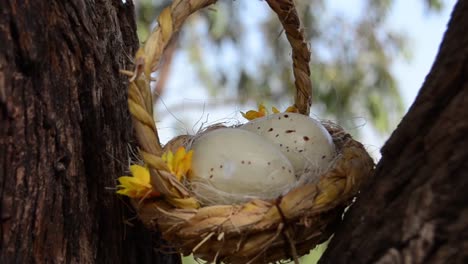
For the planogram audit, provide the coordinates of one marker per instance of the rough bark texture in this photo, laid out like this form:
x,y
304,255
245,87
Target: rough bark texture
x,y
64,133
415,210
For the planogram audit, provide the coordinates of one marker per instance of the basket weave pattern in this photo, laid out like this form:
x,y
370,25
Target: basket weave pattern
x,y
258,231
267,230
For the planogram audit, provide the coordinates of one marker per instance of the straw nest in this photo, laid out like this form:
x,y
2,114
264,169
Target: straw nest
x,y
259,231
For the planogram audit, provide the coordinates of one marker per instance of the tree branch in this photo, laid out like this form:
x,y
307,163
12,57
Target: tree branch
x,y
414,209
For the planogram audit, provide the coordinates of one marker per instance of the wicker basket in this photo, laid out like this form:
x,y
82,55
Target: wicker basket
x,y
257,231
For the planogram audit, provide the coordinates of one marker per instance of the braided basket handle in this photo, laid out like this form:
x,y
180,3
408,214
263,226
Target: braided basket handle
x,y
171,19
147,61
287,14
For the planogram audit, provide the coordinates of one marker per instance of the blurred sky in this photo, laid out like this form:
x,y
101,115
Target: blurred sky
x,y
424,29
426,32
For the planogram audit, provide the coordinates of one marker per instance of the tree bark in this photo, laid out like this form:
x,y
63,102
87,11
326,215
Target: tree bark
x,y
414,209
64,134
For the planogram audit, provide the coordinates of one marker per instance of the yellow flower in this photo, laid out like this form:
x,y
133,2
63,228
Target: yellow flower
x,y
262,111
292,109
252,114
179,163
138,185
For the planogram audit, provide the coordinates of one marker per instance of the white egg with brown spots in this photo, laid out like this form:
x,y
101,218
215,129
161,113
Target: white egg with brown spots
x,y
304,140
232,165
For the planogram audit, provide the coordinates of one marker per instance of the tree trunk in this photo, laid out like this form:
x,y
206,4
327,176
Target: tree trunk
x,y
64,134
414,210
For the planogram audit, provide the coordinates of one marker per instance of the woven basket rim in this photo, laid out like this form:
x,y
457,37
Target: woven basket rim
x,y
319,204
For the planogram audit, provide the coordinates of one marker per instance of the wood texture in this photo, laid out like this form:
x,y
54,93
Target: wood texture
x,y
64,133
415,208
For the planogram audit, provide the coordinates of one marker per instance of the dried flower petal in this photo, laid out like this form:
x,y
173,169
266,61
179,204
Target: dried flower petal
x,y
252,114
262,111
179,163
292,109
138,185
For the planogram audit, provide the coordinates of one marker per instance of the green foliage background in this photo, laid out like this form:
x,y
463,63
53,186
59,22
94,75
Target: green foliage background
x,y
351,57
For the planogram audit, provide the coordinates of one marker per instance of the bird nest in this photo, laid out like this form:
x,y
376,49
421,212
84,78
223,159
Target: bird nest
x,y
257,231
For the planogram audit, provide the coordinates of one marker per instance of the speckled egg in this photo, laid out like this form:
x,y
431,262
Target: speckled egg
x,y
304,140
233,165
